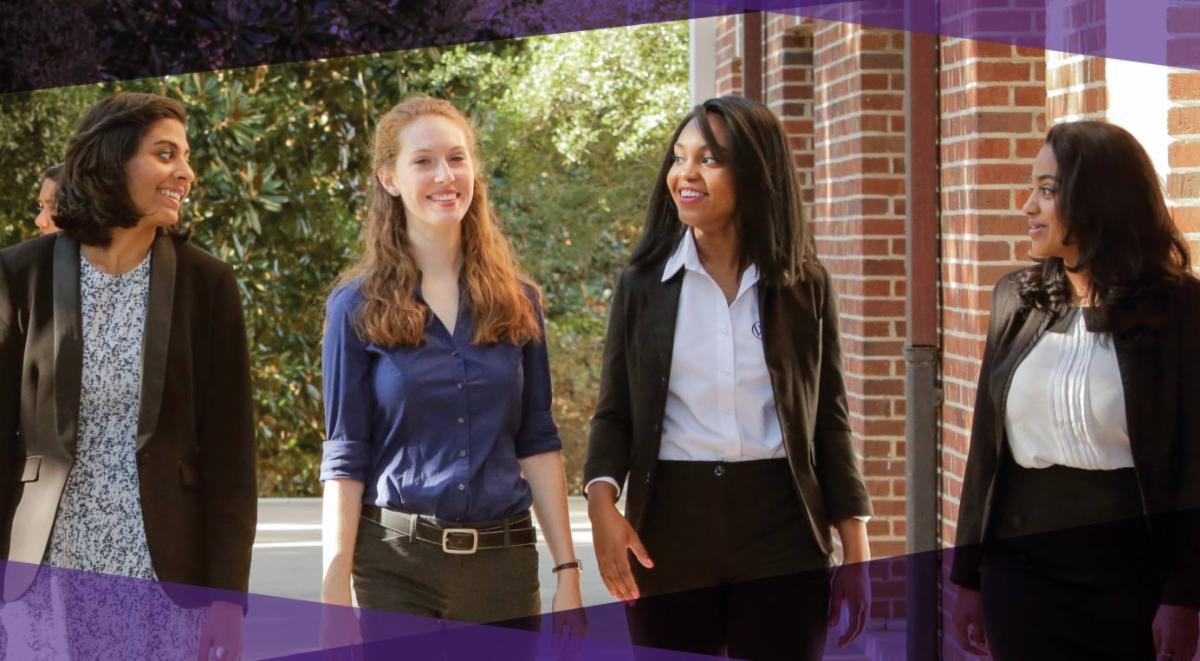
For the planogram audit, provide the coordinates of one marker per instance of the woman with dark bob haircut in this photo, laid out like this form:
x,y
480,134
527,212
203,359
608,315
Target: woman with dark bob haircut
x,y
45,202
126,434
1078,528
722,402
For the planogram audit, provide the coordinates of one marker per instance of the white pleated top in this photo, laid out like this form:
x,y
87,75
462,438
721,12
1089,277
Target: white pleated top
x,y
1066,404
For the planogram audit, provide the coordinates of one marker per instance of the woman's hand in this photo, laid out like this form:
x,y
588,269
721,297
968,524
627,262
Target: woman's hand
x,y
613,538
569,620
852,586
966,623
852,580
1175,631
221,633
341,507
567,600
339,626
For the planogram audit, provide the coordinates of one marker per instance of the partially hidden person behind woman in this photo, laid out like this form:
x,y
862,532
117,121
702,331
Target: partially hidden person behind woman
x,y
126,432
722,401
45,202
1078,532
437,399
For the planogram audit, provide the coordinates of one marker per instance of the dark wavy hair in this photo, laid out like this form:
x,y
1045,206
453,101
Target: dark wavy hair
x,y
1111,206
769,211
92,196
53,173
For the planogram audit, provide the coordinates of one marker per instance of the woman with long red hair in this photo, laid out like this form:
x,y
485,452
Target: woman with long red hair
x,y
437,397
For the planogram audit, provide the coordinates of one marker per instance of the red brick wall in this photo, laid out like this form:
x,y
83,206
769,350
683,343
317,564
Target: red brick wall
x,y
1183,123
729,55
858,218
788,87
992,107
1075,87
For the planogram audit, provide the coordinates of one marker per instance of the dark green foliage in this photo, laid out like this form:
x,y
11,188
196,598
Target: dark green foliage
x,y
571,130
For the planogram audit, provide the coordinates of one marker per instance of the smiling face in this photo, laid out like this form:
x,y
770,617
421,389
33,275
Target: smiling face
x,y
700,184
158,175
1046,230
433,173
44,219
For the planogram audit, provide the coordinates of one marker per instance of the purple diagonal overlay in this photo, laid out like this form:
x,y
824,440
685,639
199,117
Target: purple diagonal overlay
x,y
69,613
124,39
1062,593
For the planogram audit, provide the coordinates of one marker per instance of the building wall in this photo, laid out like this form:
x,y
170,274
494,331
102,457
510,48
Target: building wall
x,y
858,219
992,110
839,88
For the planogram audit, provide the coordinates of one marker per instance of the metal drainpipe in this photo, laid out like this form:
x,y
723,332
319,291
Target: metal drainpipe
x,y
923,397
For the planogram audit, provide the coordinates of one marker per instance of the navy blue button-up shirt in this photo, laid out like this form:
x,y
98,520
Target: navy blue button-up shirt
x,y
434,429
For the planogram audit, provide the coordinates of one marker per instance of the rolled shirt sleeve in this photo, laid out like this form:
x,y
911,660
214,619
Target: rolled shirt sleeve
x,y
349,404
537,433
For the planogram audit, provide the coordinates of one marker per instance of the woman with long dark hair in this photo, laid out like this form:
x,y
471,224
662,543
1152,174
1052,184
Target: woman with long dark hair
x,y
126,432
1077,530
722,402
437,400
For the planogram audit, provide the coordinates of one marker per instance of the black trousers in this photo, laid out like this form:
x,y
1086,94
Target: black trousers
x,y
1070,573
737,570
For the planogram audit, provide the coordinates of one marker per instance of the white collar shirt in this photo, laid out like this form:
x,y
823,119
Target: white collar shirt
x,y
720,403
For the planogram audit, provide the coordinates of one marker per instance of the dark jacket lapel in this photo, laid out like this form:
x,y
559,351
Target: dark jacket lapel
x,y
157,335
68,342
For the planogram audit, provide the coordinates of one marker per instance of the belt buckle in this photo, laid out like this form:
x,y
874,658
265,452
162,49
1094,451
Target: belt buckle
x,y
446,532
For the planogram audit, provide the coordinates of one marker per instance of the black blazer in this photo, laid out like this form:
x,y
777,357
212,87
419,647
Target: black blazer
x,y
195,436
1159,361
800,342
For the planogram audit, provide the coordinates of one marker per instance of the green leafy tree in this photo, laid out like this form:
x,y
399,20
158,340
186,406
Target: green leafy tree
x,y
282,156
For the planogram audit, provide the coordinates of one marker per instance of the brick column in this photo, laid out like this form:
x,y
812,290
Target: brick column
x,y
729,55
858,218
1075,87
993,124
1183,122
789,87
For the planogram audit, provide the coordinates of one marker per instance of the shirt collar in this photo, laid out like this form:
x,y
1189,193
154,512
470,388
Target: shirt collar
x,y
686,256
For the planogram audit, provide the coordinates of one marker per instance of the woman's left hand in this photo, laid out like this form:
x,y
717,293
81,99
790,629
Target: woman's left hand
x,y
851,585
568,607
568,619
1175,631
221,634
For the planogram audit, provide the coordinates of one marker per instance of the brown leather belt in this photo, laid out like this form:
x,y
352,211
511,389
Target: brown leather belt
x,y
456,538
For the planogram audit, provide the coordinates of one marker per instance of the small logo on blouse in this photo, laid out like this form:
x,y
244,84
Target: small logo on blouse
x,y
757,329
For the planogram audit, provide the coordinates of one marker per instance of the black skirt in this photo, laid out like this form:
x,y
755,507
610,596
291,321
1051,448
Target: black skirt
x,y
1069,568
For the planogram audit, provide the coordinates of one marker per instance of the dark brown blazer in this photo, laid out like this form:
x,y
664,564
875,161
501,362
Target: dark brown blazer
x,y
1159,362
195,436
800,342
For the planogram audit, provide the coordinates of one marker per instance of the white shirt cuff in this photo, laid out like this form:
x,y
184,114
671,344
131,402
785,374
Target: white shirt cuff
x,y
603,479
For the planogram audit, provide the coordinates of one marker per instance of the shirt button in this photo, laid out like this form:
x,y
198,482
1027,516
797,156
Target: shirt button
x,y
461,486
462,453
454,353
724,331
459,385
460,421
719,470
